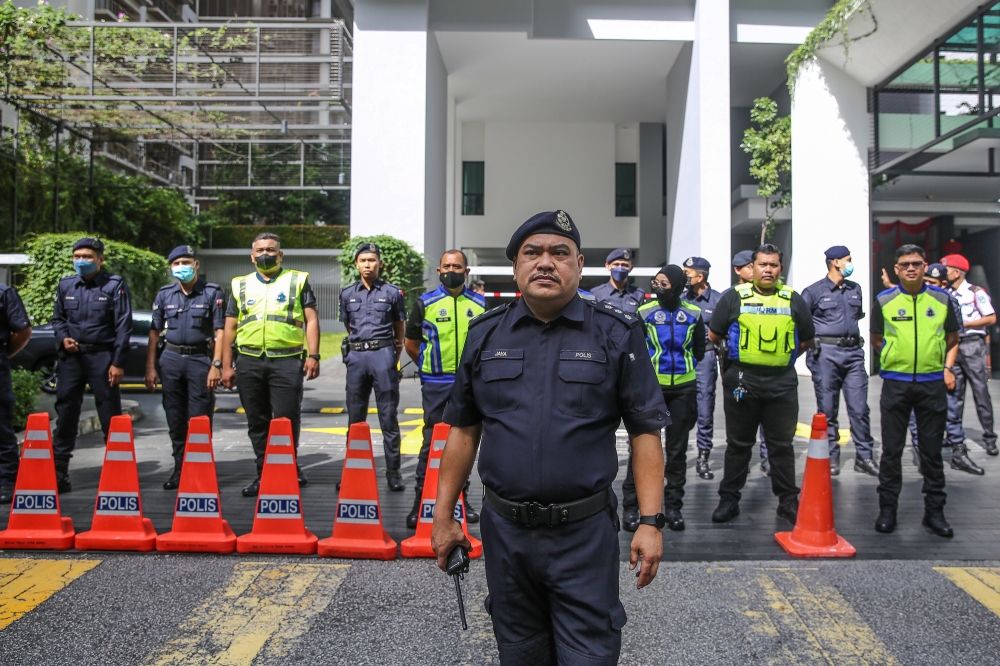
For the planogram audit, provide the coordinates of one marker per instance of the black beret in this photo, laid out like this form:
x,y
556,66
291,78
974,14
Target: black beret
x,y
180,251
742,259
837,252
551,222
367,247
937,271
620,253
698,263
94,244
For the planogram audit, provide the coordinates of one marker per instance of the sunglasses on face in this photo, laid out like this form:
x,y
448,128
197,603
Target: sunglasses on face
x,y
910,264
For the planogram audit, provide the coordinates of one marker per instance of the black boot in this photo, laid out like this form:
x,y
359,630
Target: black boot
x,y
174,480
414,514
866,466
789,509
886,521
991,448
834,465
6,492
395,480
471,515
726,511
701,465
630,519
960,460
303,479
62,476
934,520
252,489
675,521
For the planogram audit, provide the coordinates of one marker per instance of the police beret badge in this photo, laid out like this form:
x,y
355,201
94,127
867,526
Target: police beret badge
x,y
626,254
562,221
689,262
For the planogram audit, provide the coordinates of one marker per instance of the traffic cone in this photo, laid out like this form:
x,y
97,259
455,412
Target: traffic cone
x,y
814,534
35,522
198,524
419,545
278,526
118,521
357,526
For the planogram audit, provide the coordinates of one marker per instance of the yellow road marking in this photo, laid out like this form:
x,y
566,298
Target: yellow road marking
x,y
331,410
240,410
807,621
412,422
412,441
804,430
263,610
413,410
981,583
334,431
26,583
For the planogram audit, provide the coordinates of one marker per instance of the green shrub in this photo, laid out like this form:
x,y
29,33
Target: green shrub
x,y
295,236
404,266
52,256
26,385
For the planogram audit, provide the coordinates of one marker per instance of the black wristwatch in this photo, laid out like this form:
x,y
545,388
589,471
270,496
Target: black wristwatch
x,y
314,357
658,521
217,364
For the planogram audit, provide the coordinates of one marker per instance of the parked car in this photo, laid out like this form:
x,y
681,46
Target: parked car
x,y
40,352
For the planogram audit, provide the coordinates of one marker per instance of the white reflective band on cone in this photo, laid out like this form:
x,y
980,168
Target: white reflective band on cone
x,y
819,449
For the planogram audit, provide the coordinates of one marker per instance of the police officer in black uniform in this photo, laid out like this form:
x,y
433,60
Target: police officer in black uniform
x,y
700,294
375,315
15,331
92,321
617,291
544,382
190,366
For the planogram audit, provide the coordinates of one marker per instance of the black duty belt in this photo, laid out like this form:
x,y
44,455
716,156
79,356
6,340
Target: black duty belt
x,y
370,345
85,348
188,350
533,514
846,341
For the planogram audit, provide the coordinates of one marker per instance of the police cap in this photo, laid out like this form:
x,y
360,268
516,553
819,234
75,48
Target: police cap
x,y
367,247
956,261
550,222
837,252
742,259
180,251
699,263
94,244
622,253
937,271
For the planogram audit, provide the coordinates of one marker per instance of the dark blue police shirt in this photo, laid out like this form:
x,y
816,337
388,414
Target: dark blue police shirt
x,y
13,316
189,319
371,313
550,397
835,310
628,299
95,312
706,302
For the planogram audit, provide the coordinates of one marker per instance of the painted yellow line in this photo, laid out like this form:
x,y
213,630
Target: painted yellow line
x,y
412,422
259,615
981,583
331,410
334,431
411,442
804,430
240,410
26,583
413,410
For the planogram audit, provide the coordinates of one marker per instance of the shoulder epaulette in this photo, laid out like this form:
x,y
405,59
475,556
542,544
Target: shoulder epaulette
x,y
213,285
167,286
490,314
612,311
745,290
786,293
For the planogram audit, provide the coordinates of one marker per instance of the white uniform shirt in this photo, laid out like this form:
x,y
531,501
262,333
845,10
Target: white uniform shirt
x,y
975,303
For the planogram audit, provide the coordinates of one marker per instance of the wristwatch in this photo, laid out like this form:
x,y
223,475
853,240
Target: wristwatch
x,y
314,357
217,364
657,521
950,368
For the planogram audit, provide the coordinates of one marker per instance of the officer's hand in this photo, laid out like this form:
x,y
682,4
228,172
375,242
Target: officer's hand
x,y
886,282
647,549
70,345
228,377
445,535
115,375
949,379
311,368
214,377
151,380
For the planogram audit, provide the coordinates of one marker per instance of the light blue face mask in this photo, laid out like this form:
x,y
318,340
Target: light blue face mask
x,y
84,267
847,269
183,273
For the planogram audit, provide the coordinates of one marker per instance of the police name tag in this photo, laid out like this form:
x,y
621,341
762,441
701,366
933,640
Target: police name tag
x,y
197,505
359,512
278,506
117,504
34,501
427,511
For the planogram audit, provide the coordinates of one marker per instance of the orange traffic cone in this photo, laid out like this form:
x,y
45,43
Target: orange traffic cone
x,y
198,524
814,534
357,526
419,545
278,526
35,521
118,521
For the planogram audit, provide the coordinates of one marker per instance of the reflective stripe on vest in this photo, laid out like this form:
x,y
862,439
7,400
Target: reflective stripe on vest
x,y
764,333
445,328
271,319
669,337
915,345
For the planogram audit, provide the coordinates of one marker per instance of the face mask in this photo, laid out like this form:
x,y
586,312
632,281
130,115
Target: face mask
x,y
667,298
183,273
619,274
267,262
847,269
84,267
452,280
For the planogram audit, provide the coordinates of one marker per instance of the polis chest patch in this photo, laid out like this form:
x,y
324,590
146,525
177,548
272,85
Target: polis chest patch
x,y
901,315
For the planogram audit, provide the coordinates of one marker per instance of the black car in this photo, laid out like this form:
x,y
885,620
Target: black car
x,y
40,352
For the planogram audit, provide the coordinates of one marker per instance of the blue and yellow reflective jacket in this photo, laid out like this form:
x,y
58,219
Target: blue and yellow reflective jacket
x,y
670,337
445,328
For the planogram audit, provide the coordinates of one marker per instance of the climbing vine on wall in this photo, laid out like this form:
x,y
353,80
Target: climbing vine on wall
x,y
834,25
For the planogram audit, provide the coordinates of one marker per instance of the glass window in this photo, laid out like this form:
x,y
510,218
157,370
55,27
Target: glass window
x,y
625,189
473,187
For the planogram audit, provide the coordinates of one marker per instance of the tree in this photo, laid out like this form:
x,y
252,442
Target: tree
x,y
404,266
770,149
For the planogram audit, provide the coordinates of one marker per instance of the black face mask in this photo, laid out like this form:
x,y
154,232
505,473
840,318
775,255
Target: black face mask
x,y
452,280
667,298
670,299
266,262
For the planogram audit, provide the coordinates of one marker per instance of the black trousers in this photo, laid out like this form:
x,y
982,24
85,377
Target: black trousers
x,y
434,398
185,394
929,402
270,388
682,405
75,372
367,370
553,592
774,409
9,455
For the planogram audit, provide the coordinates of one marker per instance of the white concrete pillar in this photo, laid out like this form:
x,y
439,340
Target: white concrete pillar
x,y
830,199
399,125
698,168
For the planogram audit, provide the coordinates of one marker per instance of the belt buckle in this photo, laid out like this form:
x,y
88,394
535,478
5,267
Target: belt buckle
x,y
367,345
530,514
